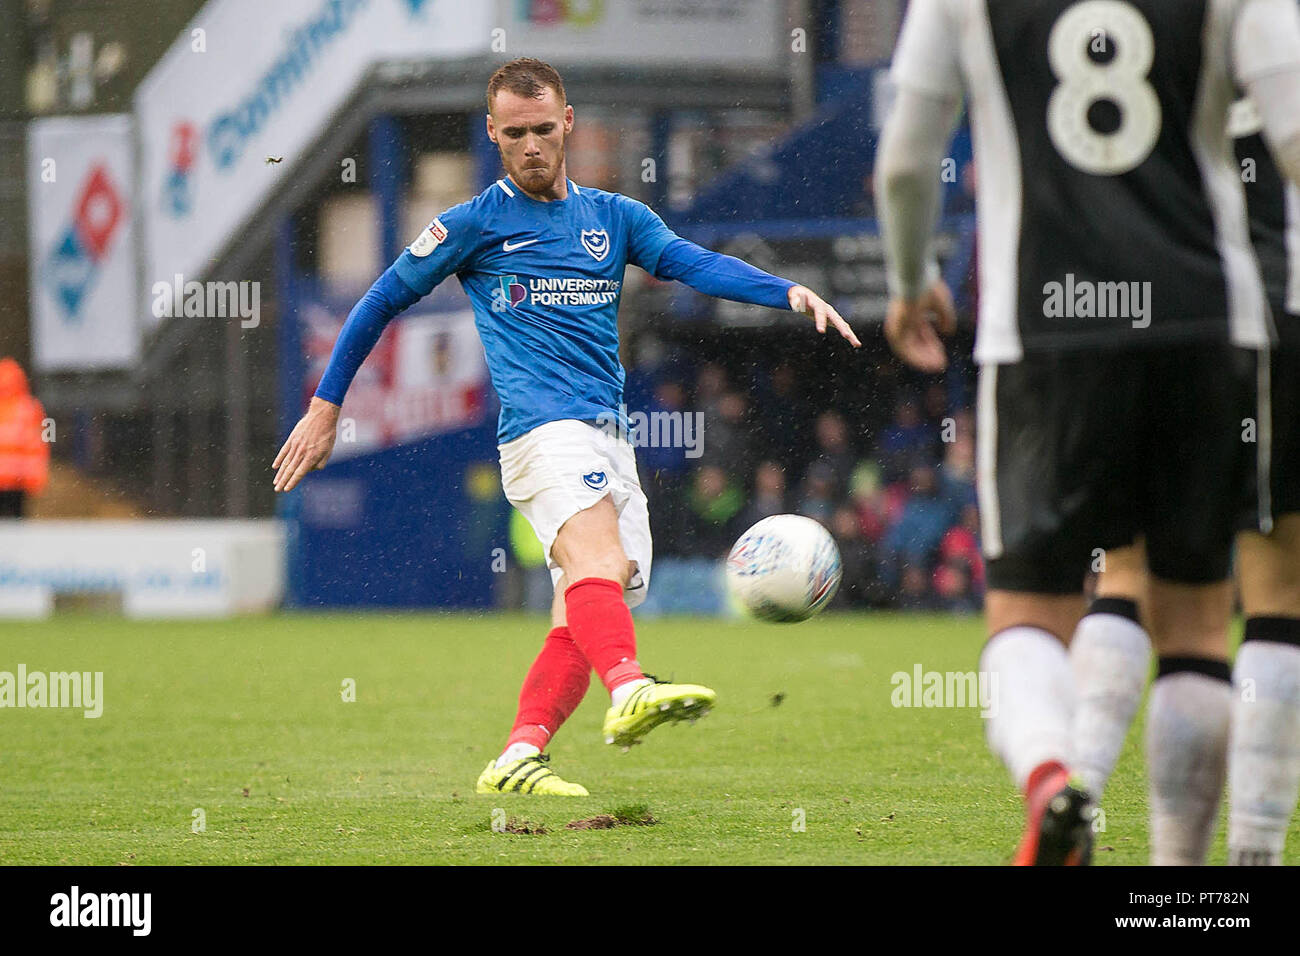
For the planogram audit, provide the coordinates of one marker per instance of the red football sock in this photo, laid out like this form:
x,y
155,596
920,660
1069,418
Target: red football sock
x,y
553,689
601,625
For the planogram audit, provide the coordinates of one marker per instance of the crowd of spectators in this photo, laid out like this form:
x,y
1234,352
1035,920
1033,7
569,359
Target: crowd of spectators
x,y
898,497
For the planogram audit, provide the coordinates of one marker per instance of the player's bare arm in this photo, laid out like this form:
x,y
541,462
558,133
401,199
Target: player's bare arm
x,y
308,446
911,152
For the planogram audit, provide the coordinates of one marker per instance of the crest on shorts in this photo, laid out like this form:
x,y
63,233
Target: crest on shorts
x,y
595,480
596,241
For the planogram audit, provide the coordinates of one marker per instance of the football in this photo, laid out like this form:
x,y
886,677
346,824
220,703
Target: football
x,y
785,568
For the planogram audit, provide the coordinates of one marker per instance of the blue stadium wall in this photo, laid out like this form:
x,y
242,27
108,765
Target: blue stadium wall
x,y
419,539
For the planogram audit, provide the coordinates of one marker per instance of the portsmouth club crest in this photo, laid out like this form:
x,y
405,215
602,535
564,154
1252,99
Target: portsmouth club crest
x,y
596,242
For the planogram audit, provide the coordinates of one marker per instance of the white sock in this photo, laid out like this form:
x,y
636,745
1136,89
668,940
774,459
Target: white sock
x,y
1032,693
1187,743
1109,658
1264,759
517,751
624,690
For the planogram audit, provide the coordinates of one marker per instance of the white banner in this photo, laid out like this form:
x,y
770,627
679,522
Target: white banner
x,y
247,87
648,32
82,252
250,85
159,568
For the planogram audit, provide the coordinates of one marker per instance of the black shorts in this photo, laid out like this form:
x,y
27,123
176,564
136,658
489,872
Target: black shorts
x,y
1082,452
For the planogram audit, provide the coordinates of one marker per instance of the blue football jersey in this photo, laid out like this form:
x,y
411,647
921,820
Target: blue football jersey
x,y
545,280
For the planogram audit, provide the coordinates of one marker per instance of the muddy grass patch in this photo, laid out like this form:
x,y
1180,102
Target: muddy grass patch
x,y
633,815
526,827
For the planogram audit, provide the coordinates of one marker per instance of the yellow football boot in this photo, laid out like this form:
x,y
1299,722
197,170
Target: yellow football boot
x,y
653,704
529,775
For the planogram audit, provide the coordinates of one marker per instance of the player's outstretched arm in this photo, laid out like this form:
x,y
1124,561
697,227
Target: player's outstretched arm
x,y
927,72
730,278
907,180
308,446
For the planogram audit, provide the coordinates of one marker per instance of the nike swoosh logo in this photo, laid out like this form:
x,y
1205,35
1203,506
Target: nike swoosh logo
x,y
518,245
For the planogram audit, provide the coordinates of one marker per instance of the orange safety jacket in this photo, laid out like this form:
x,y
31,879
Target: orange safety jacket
x,y
24,454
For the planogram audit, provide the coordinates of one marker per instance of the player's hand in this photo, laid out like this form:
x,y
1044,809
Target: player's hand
x,y
308,446
912,328
805,300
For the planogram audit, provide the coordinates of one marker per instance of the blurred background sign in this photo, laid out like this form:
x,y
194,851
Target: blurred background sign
x,y
211,568
81,227
425,376
648,31
251,81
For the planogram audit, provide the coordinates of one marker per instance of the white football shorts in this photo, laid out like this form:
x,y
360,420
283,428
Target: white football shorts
x,y
563,467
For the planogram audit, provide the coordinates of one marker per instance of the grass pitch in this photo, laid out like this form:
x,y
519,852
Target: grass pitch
x,y
241,726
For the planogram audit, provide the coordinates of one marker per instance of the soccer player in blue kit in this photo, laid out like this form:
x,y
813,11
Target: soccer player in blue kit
x,y
542,262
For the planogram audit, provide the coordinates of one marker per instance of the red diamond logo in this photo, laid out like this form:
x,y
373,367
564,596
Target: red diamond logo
x,y
99,210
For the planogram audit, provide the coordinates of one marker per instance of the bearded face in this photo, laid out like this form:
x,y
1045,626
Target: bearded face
x,y
530,133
